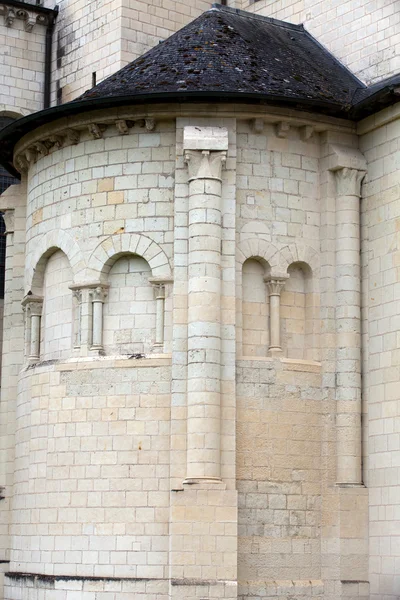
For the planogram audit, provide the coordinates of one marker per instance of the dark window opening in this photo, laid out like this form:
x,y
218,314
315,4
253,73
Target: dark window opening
x,y
5,181
2,255
94,78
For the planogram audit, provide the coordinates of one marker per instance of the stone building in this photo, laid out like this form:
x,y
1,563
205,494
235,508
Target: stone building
x,y
200,382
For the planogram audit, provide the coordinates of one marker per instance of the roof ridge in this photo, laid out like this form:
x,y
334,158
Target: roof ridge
x,y
250,15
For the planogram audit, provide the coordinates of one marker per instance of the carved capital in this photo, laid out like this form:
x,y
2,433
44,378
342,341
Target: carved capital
x,y
204,164
33,305
77,294
348,181
275,285
98,294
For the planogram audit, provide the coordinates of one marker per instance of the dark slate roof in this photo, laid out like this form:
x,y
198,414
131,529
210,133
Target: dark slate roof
x,y
226,55
227,51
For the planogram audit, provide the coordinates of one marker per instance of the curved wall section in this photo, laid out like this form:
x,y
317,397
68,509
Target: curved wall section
x,y
91,491
57,320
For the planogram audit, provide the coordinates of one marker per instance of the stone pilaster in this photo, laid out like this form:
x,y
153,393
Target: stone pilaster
x,y
204,312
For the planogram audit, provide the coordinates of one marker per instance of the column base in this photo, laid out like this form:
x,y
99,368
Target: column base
x,y
204,482
342,484
275,351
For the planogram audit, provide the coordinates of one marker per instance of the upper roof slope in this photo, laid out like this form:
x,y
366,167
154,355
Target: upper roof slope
x,y
226,55
227,51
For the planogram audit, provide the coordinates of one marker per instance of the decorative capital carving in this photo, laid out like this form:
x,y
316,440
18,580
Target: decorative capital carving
x,y
275,285
204,164
98,294
348,181
33,305
77,294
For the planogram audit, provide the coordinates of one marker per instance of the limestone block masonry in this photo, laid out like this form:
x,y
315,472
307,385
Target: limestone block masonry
x,y
182,415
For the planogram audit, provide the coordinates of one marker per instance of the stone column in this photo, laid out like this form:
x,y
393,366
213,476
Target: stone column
x,y
33,306
77,294
348,326
98,296
275,286
205,154
159,285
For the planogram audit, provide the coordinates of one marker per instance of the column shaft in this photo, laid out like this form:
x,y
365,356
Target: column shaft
x,y
348,327
275,286
160,308
97,340
35,337
204,333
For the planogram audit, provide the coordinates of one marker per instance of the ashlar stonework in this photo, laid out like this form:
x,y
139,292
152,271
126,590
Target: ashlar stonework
x,y
200,367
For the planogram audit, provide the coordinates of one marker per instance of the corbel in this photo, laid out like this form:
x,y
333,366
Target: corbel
x,y
29,19
258,125
306,132
30,155
96,131
73,136
21,163
57,141
282,129
122,126
41,148
9,16
150,124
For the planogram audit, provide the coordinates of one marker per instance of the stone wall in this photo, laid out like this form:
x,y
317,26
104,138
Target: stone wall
x,y
361,34
140,457
21,66
115,33
279,476
381,209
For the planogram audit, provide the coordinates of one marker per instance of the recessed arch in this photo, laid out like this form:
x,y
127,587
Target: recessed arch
x,y
257,248
47,245
112,248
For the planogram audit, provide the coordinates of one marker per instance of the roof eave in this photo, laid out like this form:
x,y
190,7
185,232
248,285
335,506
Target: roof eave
x,y
11,134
